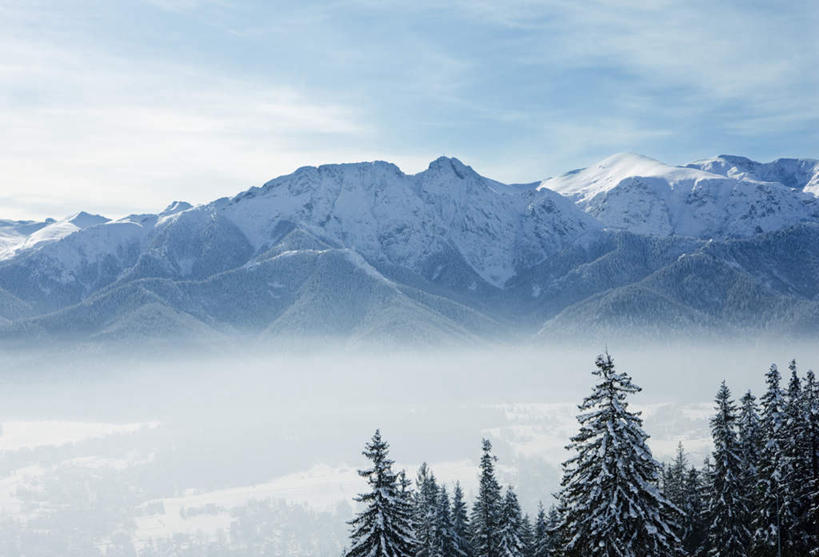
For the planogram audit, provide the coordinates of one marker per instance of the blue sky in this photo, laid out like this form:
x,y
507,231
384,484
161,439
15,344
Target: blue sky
x,y
123,106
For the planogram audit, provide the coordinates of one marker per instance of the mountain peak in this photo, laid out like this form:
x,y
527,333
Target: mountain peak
x,y
798,174
175,207
736,158
605,175
450,165
84,220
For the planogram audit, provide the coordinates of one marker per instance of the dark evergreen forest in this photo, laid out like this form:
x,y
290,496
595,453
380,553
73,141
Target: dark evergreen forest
x,y
757,494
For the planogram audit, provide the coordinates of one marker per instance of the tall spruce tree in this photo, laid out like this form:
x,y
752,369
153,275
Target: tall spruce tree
x,y
751,443
770,524
811,404
681,486
694,521
511,527
727,508
460,521
674,478
425,511
541,533
384,527
486,512
796,469
446,541
554,544
705,497
527,536
609,501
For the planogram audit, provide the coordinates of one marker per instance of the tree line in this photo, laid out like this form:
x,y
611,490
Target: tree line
x,y
756,495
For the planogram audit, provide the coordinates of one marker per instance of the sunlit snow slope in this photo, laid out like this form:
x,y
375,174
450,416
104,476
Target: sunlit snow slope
x,y
364,252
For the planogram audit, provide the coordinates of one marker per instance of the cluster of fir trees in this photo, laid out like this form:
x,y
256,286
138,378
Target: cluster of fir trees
x,y
759,496
399,521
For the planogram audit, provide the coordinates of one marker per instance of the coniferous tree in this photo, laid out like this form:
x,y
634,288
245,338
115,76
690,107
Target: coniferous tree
x,y
751,443
446,542
796,470
674,478
425,512
694,522
811,404
527,536
705,496
682,487
609,501
486,512
769,517
727,510
460,521
540,533
511,526
384,527
555,544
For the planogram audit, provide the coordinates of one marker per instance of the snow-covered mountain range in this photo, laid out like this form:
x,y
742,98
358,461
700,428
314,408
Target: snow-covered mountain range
x,y
366,251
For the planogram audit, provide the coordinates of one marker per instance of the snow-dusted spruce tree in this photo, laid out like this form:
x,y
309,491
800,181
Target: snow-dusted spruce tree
x,y
751,443
727,507
460,521
796,469
446,541
811,398
486,512
681,486
511,526
384,527
674,478
705,496
769,496
549,543
694,521
609,501
527,536
424,512
540,534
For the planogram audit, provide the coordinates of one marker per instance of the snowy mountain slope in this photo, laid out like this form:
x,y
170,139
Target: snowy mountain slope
x,y
644,196
117,310
389,217
13,308
799,174
623,259
14,233
345,293
53,274
703,291
16,236
786,261
403,220
362,251
297,293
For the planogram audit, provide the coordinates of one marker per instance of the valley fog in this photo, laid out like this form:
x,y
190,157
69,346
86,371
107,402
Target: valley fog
x,y
117,453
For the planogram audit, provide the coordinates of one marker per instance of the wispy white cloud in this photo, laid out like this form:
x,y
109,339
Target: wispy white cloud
x,y
81,127
199,98
758,53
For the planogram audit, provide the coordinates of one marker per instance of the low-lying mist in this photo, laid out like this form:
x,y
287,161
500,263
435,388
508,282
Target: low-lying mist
x,y
140,451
